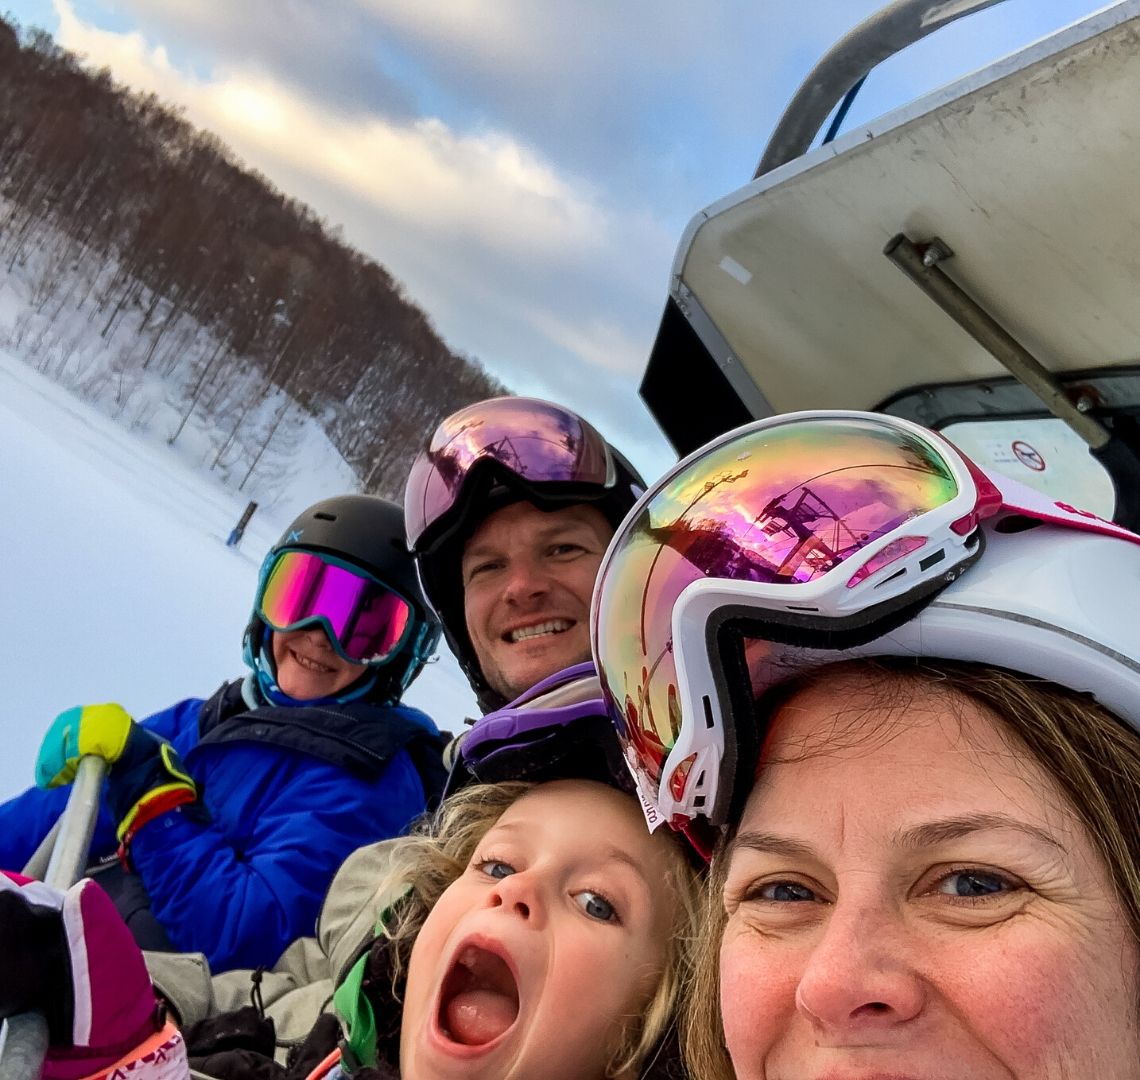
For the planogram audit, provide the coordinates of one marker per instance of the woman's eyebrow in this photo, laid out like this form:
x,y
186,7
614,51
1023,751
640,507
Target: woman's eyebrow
x,y
770,844
939,832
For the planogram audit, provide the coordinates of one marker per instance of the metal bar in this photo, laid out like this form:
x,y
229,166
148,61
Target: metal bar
x,y
841,112
77,823
920,264
37,866
885,33
23,1047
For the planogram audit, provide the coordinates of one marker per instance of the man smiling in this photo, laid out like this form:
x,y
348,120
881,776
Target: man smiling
x,y
509,509
527,580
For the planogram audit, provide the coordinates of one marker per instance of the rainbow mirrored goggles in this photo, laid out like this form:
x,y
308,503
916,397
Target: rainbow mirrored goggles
x,y
829,528
535,441
367,622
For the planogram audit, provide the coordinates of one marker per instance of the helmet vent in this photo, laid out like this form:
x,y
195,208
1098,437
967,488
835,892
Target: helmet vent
x,y
1015,523
887,580
322,515
708,712
799,607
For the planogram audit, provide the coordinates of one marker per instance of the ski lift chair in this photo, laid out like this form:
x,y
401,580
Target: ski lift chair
x,y
970,261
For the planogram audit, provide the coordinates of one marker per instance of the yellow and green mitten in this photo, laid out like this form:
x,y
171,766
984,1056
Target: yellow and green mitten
x,y
146,776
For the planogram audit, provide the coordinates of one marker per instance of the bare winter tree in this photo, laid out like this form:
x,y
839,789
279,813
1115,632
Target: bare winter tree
x,y
200,272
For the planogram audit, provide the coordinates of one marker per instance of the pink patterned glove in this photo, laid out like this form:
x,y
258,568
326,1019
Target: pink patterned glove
x,y
70,957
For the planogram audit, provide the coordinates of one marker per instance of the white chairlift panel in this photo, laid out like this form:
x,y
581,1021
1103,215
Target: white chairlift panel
x,y
1029,170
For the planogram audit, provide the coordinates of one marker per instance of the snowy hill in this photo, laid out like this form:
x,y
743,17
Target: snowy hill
x,y
117,584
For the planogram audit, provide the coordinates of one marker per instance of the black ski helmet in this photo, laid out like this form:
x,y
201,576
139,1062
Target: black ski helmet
x,y
489,479
366,531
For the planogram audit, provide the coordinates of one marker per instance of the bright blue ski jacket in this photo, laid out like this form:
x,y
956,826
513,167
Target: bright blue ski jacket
x,y
287,802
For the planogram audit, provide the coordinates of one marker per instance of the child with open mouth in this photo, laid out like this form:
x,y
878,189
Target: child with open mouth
x,y
542,937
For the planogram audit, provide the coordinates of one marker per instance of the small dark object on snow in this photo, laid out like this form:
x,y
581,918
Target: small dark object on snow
x,y
238,531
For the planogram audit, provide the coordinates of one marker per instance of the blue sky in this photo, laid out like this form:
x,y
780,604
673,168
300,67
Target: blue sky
x,y
525,168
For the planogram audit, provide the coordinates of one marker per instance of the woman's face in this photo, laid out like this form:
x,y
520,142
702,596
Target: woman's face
x,y
533,961
912,900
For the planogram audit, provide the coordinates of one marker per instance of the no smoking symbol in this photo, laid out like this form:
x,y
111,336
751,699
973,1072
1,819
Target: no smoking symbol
x,y
1028,457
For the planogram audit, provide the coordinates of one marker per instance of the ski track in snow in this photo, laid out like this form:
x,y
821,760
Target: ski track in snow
x,y
117,584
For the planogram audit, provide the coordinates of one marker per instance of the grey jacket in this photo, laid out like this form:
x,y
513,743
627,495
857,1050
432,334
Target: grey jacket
x,y
299,987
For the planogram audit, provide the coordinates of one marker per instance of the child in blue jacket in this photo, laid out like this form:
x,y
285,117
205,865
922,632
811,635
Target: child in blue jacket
x,y
222,821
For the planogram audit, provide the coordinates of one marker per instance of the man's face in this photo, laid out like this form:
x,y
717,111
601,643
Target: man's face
x,y
527,580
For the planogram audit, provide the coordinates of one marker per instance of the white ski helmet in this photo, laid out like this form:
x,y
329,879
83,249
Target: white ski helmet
x,y
810,538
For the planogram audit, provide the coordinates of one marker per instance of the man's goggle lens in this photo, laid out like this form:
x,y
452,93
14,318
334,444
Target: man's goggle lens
x,y
366,621
782,506
536,441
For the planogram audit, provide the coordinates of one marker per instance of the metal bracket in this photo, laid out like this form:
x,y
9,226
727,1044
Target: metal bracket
x,y
921,263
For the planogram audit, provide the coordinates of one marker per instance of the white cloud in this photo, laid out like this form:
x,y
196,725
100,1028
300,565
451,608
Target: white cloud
x,y
517,263
127,55
484,186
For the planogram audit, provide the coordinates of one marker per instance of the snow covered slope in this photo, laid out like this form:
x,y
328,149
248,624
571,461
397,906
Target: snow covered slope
x,y
115,581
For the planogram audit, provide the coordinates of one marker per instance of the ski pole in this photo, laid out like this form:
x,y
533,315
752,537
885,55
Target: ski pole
x,y
23,1046
24,1039
77,824
85,791
36,867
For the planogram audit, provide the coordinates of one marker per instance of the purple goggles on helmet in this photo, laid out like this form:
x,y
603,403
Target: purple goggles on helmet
x,y
558,729
535,441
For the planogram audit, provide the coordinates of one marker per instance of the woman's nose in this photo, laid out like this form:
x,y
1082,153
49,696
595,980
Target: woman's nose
x,y
859,979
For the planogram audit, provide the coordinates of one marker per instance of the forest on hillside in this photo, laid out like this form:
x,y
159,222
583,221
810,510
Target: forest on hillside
x,y
126,220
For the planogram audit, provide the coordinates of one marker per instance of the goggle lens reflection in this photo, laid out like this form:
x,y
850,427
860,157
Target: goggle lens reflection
x,y
368,621
783,505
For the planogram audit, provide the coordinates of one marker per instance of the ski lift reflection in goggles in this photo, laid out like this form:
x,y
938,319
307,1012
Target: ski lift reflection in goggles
x,y
538,442
365,620
528,738
835,520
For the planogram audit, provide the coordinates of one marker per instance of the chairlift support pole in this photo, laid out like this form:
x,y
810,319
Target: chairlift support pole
x,y
920,263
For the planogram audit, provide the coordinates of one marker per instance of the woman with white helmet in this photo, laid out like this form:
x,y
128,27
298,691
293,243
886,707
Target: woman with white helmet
x,y
900,697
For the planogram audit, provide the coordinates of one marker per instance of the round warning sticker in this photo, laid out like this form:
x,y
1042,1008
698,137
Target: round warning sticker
x,y
1027,455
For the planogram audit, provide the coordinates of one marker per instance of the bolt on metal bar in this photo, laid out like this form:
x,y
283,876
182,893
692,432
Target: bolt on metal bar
x,y
920,264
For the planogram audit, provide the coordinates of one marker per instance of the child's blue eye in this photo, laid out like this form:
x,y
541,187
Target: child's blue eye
x,y
495,868
596,906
